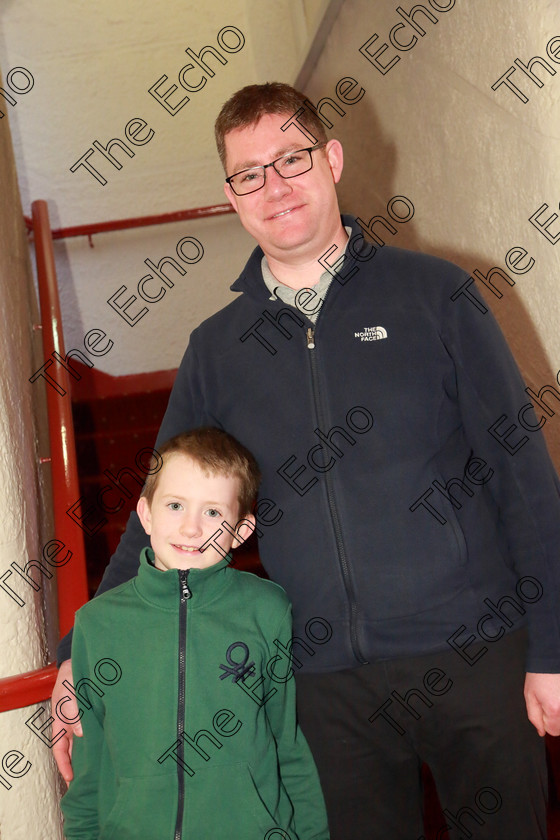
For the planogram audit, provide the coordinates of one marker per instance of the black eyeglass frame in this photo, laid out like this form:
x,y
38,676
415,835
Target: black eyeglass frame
x,y
265,166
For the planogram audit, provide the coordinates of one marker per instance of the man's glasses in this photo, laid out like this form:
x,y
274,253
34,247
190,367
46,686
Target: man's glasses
x,y
288,166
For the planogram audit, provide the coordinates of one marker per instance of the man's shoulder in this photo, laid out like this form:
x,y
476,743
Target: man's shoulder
x,y
421,263
425,281
371,252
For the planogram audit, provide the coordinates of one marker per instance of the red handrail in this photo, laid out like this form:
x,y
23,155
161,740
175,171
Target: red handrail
x,y
26,689
71,579
140,221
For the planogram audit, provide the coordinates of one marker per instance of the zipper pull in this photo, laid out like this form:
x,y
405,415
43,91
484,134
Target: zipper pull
x,y
185,591
310,338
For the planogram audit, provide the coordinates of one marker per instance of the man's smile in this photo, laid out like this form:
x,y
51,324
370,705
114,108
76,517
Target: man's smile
x,y
282,213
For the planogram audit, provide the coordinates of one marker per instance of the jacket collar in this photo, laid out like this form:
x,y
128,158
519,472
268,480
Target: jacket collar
x,y
251,280
163,589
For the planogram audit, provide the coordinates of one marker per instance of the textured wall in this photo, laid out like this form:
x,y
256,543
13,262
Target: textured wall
x,y
475,162
28,811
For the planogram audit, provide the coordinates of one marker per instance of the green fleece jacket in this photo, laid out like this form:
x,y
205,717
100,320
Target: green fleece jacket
x,y
188,710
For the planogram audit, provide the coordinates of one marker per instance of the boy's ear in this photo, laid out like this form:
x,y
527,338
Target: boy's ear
x,y
144,514
244,528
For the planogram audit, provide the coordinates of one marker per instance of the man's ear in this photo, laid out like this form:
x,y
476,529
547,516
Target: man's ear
x,y
231,197
335,158
244,528
144,514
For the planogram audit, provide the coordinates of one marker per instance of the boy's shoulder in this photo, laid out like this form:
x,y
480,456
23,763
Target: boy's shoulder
x,y
103,605
266,591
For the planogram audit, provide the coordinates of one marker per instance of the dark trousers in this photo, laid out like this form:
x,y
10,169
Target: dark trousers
x,y
370,729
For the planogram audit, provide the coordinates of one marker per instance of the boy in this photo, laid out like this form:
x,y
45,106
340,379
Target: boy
x,y
224,759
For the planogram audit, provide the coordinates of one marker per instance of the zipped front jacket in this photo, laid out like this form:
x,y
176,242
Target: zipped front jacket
x,y
408,497
187,696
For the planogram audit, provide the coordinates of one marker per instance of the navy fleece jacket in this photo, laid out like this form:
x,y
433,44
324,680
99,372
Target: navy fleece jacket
x,y
402,501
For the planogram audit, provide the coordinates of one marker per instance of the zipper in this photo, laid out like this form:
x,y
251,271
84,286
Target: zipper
x,y
332,503
185,594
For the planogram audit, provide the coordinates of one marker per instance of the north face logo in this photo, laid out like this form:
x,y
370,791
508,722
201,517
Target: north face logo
x,y
371,334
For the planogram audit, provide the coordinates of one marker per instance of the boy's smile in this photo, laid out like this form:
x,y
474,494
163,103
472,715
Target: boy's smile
x,y
187,509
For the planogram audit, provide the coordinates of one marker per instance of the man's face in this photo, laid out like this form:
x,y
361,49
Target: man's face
x,y
291,219
187,509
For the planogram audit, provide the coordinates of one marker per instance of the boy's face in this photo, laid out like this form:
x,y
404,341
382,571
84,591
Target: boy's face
x,y
187,509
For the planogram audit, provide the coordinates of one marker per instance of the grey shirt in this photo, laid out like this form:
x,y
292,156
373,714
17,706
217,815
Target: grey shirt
x,y
308,300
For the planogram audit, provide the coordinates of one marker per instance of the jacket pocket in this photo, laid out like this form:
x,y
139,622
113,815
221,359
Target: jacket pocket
x,y
145,808
225,804
417,561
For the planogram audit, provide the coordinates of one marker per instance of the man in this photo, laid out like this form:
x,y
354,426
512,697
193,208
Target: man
x,y
398,506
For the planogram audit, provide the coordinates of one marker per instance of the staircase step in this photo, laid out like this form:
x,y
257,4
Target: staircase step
x,y
120,413
115,451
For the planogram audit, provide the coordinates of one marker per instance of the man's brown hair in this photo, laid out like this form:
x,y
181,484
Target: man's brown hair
x,y
252,102
216,453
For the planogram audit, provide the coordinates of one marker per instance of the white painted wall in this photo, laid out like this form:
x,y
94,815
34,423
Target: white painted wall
x,y
92,66
29,809
89,276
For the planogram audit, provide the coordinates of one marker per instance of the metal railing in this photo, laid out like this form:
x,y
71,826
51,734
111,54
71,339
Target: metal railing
x,y
34,686
71,579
